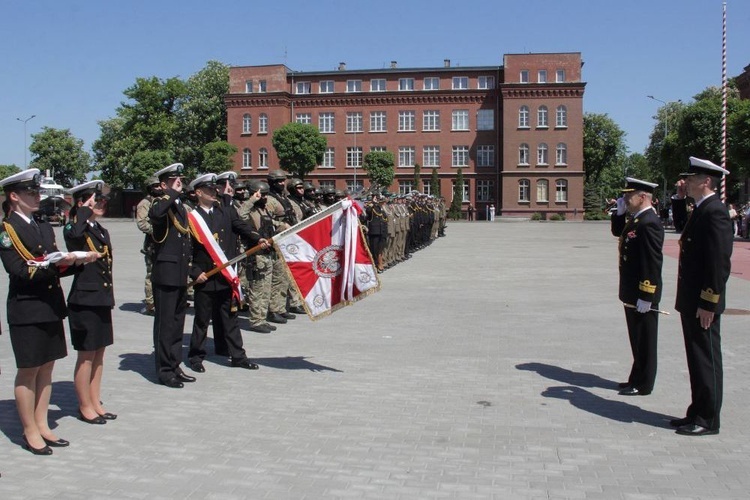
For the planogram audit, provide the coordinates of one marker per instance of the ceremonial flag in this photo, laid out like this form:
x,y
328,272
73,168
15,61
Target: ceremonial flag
x,y
328,260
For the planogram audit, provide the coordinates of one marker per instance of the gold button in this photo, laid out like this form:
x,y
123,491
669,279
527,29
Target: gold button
x,y
106,285
50,287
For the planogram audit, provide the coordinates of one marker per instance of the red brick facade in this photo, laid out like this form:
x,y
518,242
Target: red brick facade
x,y
445,118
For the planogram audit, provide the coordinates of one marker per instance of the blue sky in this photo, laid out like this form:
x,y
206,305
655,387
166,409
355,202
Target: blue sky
x,y
67,62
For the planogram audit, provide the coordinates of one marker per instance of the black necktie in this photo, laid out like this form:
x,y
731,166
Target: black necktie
x,y
36,227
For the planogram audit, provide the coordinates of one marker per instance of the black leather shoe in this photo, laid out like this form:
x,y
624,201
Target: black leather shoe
x,y
273,328
276,318
96,420
679,422
288,315
244,363
633,391
183,377
623,385
108,416
261,328
36,451
197,367
297,310
59,443
173,382
696,430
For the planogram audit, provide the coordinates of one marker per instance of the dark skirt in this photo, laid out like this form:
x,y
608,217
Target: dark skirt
x,y
90,327
37,344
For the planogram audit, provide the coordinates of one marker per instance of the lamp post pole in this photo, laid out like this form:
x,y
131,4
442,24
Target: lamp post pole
x,y
664,142
25,147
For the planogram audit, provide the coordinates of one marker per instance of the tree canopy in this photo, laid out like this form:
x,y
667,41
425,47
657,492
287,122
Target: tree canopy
x,y
379,166
300,148
60,153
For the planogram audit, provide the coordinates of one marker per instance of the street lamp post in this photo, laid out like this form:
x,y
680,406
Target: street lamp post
x,y
664,142
25,147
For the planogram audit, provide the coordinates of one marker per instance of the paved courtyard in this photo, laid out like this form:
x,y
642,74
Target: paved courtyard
x,y
486,367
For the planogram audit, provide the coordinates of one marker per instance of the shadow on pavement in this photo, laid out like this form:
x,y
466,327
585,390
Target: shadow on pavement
x,y
566,376
293,363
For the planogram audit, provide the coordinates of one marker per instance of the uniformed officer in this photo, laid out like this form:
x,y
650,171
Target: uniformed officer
x,y
153,190
172,252
91,299
216,296
36,305
704,267
641,240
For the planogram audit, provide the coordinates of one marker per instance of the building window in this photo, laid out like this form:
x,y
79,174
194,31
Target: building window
x,y
486,82
354,85
523,154
524,186
406,121
248,86
354,157
263,124
561,190
460,156
562,117
354,121
432,83
405,187
542,191
406,83
377,85
431,121
486,119
465,193
326,123
329,157
305,118
541,76
561,156
326,87
486,156
460,83
247,123
262,158
541,154
303,87
355,186
523,117
262,86
560,76
247,159
406,156
327,184
378,148
485,190
460,119
542,117
426,188
377,121
431,156
524,76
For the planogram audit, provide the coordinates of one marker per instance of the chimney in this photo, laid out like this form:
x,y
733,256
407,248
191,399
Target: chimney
x,y
342,66
447,63
394,64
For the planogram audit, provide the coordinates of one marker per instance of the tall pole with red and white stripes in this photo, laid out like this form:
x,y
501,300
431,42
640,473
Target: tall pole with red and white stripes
x,y
724,103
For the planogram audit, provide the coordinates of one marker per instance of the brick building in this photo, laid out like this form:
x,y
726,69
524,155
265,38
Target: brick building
x,y
516,130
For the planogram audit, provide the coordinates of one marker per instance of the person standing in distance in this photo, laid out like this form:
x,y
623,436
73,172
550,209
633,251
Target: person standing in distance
x,y
704,267
169,277
153,190
641,241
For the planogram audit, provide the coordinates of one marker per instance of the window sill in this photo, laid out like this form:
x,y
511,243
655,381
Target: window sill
x,y
542,127
542,165
407,131
378,131
561,165
326,167
327,132
561,127
561,202
523,165
430,131
524,128
459,166
524,202
353,132
246,134
263,168
460,130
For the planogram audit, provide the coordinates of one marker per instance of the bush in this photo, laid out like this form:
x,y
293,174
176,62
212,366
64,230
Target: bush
x,y
536,216
557,217
596,215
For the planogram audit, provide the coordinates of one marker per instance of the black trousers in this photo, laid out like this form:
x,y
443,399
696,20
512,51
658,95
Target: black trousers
x,y
170,304
216,305
703,350
643,332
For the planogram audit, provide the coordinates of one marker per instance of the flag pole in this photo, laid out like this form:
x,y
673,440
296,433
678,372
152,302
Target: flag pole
x,y
723,189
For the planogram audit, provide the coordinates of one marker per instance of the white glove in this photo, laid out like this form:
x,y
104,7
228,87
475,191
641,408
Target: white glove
x,y
621,206
642,306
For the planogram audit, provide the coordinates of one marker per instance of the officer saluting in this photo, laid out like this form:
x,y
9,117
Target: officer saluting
x,y
172,251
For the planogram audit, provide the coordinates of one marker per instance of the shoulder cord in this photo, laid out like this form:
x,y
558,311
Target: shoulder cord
x,y
17,244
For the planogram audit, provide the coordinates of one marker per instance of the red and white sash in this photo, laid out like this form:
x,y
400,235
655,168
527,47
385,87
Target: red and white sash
x,y
198,225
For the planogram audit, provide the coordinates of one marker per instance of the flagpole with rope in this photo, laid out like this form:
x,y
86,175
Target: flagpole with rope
x,y
723,189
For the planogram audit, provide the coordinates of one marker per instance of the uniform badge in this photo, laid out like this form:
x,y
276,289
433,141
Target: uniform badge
x,y
68,226
5,240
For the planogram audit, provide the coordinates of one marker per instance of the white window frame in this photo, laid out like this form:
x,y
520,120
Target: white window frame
x,y
465,194
431,156
262,86
434,83
561,154
486,82
263,123
326,86
561,190
486,119
247,159
378,121
354,85
542,117
485,190
354,156
407,121
329,158
355,186
378,148
377,85
561,117
542,154
542,191
305,118
327,122
354,122
460,120
460,83
431,120
406,84
262,159
523,76
326,184
405,187
541,76
460,156
523,117
407,156
523,154
302,88
560,76
524,191
485,155
248,86
247,123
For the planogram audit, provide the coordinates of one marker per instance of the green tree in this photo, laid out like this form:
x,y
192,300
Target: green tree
x,y
300,148
417,177
58,151
217,157
604,154
8,170
454,212
380,168
435,183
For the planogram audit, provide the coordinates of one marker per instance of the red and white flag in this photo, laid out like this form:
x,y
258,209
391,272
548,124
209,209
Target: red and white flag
x,y
328,260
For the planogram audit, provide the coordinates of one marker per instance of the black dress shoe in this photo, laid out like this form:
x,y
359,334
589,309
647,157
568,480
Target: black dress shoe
x,y
273,328
633,391
679,422
183,377
288,315
58,443
297,310
261,328
623,385
197,367
244,363
696,430
108,416
96,420
276,318
173,382
36,451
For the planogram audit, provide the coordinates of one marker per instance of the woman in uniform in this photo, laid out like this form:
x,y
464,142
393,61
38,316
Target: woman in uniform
x,y
36,305
91,299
